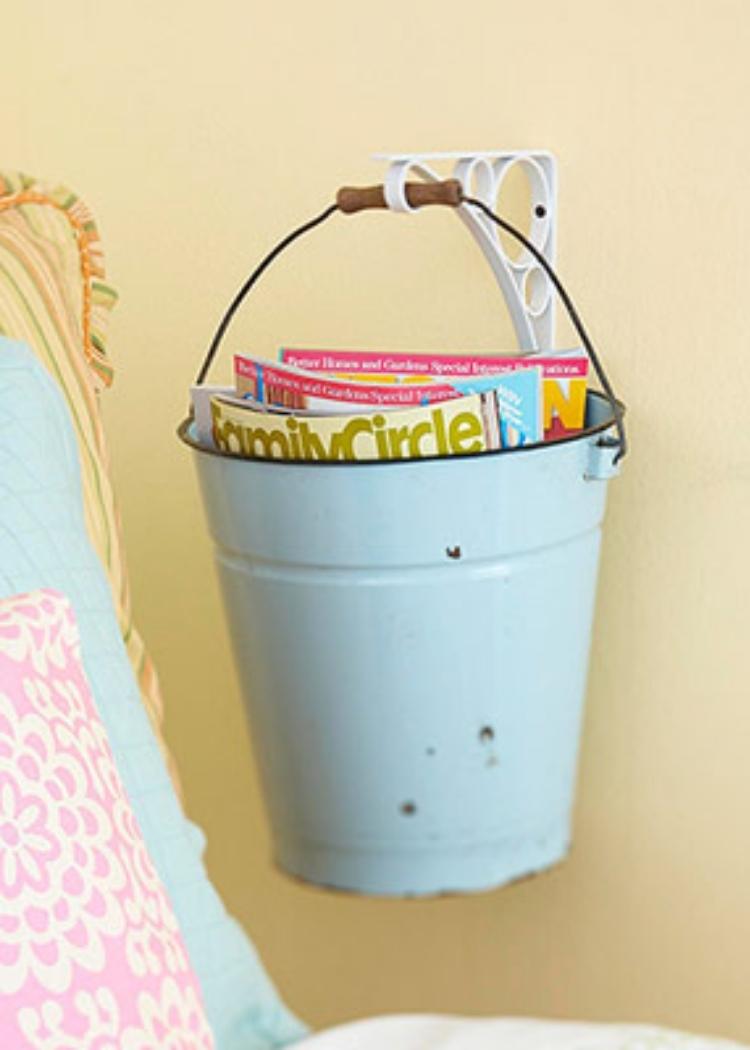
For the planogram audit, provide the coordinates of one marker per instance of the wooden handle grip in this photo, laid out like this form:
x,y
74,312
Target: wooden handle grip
x,y
351,199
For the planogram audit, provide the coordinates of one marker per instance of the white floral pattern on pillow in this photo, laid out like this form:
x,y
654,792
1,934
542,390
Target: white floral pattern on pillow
x,y
90,953
174,1022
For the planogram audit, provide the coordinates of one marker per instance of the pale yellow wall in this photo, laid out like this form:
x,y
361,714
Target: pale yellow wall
x,y
199,133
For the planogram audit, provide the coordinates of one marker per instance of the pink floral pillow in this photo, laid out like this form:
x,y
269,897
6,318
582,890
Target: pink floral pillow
x,y
90,954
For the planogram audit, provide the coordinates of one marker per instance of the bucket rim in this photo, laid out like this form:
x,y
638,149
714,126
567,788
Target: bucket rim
x,y
183,433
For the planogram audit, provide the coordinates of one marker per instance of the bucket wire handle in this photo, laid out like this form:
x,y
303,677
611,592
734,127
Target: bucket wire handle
x,y
449,192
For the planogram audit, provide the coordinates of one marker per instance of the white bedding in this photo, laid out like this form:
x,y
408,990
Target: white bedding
x,y
409,1032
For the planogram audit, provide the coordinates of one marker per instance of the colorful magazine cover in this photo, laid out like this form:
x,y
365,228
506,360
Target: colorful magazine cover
x,y
518,394
564,374
461,426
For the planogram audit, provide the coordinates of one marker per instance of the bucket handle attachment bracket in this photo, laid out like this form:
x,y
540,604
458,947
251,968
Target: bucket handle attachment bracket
x,y
603,461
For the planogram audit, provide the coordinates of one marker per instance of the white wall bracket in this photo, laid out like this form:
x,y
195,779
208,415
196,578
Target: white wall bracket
x,y
525,286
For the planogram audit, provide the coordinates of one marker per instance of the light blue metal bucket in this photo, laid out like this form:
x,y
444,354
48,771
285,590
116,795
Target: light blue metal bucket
x,y
412,640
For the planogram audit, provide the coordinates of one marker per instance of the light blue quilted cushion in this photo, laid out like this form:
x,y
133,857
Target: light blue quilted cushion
x,y
43,543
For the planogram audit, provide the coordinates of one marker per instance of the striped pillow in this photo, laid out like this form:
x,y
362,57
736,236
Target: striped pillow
x,y
54,298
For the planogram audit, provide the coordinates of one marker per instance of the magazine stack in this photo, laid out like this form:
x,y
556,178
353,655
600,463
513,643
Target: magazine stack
x,y
366,405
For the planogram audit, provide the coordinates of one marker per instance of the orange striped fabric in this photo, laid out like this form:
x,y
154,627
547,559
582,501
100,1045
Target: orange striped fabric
x,y
54,297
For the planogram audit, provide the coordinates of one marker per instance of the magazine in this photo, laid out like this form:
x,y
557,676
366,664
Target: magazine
x,y
518,394
564,374
200,400
460,426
